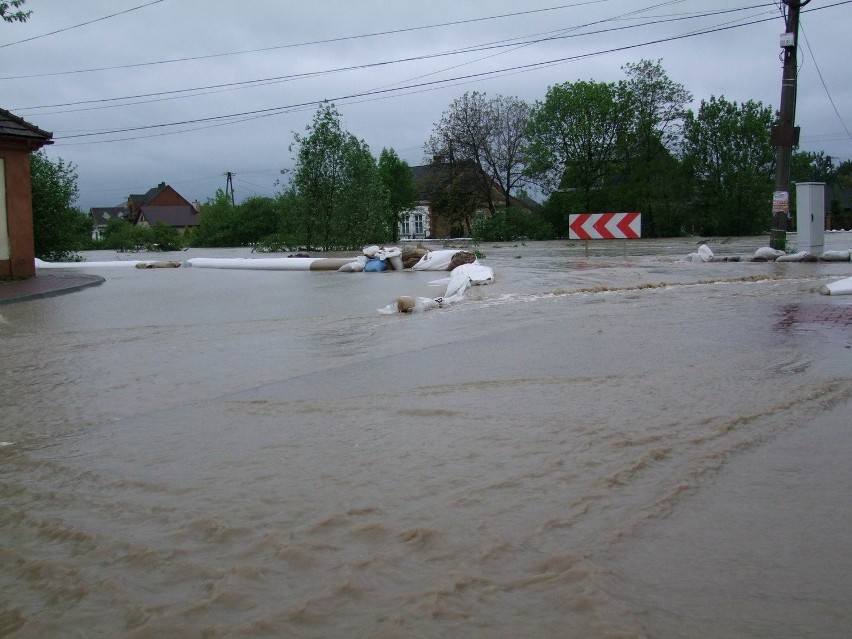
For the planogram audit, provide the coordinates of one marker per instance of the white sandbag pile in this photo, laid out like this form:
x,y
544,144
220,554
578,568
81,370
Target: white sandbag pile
x,y
704,254
801,256
767,254
462,277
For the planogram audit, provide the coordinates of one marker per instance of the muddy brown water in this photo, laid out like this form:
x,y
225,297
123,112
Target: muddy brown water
x,y
601,446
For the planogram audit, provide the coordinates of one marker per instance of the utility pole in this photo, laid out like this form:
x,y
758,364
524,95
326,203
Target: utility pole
x,y
785,133
229,185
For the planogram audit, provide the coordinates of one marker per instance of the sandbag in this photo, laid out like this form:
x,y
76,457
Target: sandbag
x,y
836,256
393,256
465,276
462,257
801,256
375,265
355,266
767,253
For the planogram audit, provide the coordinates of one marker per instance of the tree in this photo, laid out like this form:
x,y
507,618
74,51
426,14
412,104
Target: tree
x,y
455,194
652,179
60,229
808,166
121,235
843,175
216,222
488,133
8,15
575,136
340,198
730,159
402,191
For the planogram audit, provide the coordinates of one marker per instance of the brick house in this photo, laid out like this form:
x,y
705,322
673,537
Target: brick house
x,y
159,204
467,181
18,139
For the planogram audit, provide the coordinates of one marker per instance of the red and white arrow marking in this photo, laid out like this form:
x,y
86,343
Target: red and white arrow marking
x,y
605,226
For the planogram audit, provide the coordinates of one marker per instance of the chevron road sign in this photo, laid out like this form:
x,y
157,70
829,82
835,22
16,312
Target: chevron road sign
x,y
605,226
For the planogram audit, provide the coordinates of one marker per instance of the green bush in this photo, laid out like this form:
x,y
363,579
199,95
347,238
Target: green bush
x,y
510,224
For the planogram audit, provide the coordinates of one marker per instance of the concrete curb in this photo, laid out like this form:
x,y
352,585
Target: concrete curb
x,y
42,286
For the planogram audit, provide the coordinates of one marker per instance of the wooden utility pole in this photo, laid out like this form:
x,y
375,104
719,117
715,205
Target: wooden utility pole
x,y
785,134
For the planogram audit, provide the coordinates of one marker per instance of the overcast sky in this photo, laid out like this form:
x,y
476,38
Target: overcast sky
x,y
76,79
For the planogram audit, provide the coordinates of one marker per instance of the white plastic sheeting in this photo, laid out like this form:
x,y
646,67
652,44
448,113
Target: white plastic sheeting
x,y
435,261
704,254
461,279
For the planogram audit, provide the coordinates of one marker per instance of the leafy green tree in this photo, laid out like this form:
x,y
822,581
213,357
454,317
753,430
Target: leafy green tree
x,y
121,235
730,159
808,166
60,229
364,213
576,135
217,222
402,191
843,174
9,15
511,224
162,237
340,198
652,179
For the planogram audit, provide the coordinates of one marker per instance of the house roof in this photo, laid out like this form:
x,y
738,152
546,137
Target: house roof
x,y
102,214
11,126
140,199
426,176
178,216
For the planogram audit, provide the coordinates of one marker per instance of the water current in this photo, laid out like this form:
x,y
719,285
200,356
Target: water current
x,y
619,444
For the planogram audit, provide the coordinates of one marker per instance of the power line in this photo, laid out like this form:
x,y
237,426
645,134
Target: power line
x,y
215,88
76,26
290,46
824,85
281,109
383,93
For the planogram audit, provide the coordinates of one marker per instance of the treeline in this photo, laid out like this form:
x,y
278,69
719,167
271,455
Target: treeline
x,y
630,145
338,197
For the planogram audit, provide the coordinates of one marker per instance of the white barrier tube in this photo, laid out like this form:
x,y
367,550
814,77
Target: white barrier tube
x,y
82,265
271,263
840,287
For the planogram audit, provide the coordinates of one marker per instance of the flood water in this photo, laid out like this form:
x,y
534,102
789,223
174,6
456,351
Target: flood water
x,y
612,445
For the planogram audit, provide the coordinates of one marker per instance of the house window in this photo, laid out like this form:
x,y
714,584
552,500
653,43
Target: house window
x,y
418,224
405,226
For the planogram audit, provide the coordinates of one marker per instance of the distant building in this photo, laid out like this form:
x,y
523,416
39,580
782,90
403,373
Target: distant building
x,y
18,139
466,182
101,215
159,204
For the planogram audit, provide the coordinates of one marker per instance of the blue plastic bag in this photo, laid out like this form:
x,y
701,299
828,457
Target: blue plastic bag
x,y
375,266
